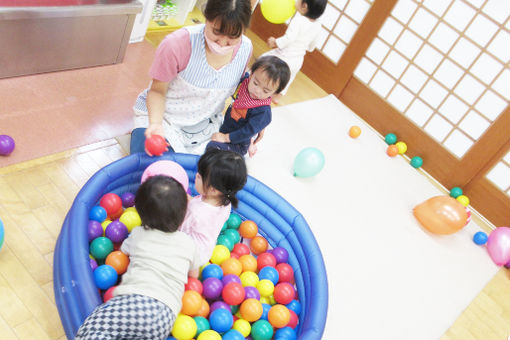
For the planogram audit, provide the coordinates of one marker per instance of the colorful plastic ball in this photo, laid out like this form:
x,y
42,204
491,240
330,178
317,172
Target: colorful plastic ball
x,y
480,238
463,199
220,254
278,316
251,293
258,245
105,224
280,254
2,234
390,138
416,162
156,145
251,310
294,319
269,273
128,199
262,330
92,262
285,272
265,287
116,231
233,335
233,310
277,11
234,236
233,293
219,304
265,260
265,310
111,203
232,266
131,219
354,131
202,324
248,229
228,278
212,288
212,270
402,147
241,249
94,230
105,276
184,327
226,240
204,309
295,306
285,333
6,145
97,213
191,302
284,293
118,260
456,192
209,335
242,326
392,150
234,221
101,247
266,300
194,284
221,320
249,263
109,293
249,279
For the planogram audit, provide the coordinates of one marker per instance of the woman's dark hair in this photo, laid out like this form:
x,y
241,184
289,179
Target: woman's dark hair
x,y
315,8
161,203
276,69
234,15
225,171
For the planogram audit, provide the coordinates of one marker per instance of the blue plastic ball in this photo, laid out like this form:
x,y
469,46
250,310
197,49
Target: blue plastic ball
x,y
285,333
97,213
233,335
269,273
390,138
221,320
212,270
456,192
265,311
105,276
295,306
480,238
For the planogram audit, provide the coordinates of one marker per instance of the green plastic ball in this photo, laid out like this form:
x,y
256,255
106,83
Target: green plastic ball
x,y
234,234
226,240
101,247
416,162
225,225
234,221
456,192
202,324
261,330
390,138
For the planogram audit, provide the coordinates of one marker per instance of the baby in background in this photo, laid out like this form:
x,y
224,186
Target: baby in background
x,y
250,112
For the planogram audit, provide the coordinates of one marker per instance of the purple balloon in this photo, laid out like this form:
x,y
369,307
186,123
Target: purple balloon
x,y
128,199
219,304
116,231
280,254
498,245
93,264
95,229
251,293
230,278
6,145
212,287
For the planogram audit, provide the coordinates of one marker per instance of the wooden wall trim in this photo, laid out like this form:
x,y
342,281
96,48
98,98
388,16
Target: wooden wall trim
x,y
496,209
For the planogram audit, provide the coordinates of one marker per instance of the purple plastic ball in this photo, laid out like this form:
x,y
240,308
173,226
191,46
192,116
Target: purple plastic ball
x,y
95,229
212,288
128,199
219,304
251,293
116,231
230,278
6,145
280,254
93,264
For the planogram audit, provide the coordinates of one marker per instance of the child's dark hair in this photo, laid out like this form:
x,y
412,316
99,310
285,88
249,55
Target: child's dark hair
x,y
234,15
315,8
225,171
276,69
161,203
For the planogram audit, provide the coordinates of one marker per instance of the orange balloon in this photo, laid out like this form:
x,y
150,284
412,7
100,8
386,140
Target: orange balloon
x,y
249,263
354,131
251,310
191,302
232,266
204,309
278,316
248,229
441,215
118,260
392,150
258,245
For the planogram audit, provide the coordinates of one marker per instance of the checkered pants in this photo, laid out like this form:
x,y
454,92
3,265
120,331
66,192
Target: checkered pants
x,y
128,317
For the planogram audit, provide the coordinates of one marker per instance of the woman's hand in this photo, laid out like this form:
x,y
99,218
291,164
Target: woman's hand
x,y
220,137
271,42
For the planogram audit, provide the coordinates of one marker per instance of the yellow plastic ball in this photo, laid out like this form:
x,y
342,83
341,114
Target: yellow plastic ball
x,y
242,326
130,209
402,147
272,301
220,254
249,279
209,335
185,327
265,299
277,11
265,287
130,219
463,199
104,224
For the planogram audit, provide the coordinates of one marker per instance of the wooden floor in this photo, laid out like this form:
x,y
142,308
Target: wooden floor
x,y
36,195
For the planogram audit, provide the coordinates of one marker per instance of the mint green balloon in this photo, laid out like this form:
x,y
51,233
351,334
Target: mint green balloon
x,y
309,162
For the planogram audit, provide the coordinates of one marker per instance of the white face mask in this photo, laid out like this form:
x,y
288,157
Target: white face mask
x,y
215,48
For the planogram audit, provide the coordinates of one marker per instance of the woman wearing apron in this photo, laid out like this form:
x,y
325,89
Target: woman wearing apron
x,y
194,71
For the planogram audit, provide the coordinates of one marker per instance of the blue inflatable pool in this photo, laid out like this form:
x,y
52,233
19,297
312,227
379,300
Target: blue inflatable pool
x,y
76,294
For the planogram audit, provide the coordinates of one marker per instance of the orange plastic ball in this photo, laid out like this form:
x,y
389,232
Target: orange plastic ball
x,y
248,229
204,309
258,245
191,302
249,263
251,310
278,316
118,260
392,150
232,266
354,131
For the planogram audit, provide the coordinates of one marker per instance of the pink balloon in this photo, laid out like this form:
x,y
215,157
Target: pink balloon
x,y
167,168
498,245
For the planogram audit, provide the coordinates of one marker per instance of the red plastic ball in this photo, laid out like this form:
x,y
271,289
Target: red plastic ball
x,y
284,293
155,145
241,249
111,203
233,293
285,272
293,319
194,284
109,293
265,260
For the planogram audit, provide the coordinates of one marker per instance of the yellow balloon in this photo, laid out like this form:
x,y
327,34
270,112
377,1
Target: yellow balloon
x,y
463,199
220,254
185,327
249,279
209,335
130,219
265,287
277,11
402,147
242,326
